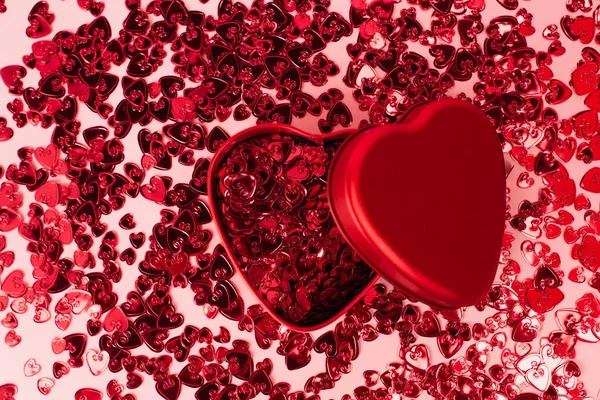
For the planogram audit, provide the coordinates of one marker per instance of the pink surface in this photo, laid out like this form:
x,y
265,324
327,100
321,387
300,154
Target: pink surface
x,y
374,355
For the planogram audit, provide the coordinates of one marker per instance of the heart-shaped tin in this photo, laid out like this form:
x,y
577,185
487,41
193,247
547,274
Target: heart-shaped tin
x,y
299,212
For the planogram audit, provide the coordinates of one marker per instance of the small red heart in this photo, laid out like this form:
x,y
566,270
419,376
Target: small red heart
x,y
593,220
66,231
177,264
594,145
12,74
9,195
583,28
302,21
47,156
593,100
10,321
588,255
585,79
88,394
576,275
97,8
148,162
589,304
571,235
60,369
585,122
449,345
13,284
558,92
418,357
546,300
48,194
3,302
169,388
37,260
582,202
31,231
6,133
155,190
591,180
183,109
63,321
564,192
552,231
38,28
563,343
222,113
8,391
115,320
525,331
565,149
60,168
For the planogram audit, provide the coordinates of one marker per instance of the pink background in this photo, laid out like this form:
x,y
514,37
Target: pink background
x,y
374,355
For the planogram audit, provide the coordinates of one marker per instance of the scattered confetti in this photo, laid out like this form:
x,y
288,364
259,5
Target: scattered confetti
x,y
276,62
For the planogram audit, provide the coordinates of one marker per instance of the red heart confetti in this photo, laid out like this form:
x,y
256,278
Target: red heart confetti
x,y
187,71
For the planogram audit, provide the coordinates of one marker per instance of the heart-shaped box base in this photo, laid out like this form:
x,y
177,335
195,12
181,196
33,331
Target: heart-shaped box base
x,y
268,195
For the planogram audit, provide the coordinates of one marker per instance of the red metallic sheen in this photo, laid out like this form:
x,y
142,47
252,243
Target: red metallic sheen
x,y
423,202
214,204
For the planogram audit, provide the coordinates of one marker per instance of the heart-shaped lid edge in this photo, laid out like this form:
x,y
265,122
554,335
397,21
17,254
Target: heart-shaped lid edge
x,y
359,233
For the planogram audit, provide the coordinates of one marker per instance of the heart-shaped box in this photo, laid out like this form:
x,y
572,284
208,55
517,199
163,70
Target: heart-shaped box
x,y
422,202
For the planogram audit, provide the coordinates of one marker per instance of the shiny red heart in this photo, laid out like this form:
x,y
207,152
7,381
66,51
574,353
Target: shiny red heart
x,y
585,79
388,199
10,196
115,320
155,190
9,220
449,345
589,304
585,122
392,216
169,388
593,100
583,28
47,156
580,28
546,300
12,74
7,391
13,284
558,92
591,180
88,394
565,149
39,27
6,133
525,331
48,194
